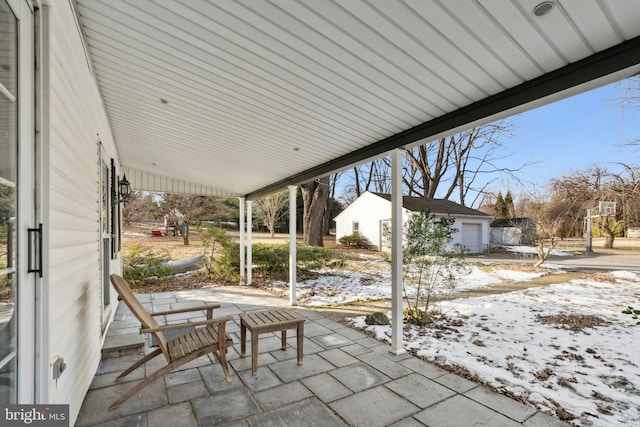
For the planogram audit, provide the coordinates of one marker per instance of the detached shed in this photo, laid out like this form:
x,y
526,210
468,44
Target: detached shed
x,y
370,211
512,231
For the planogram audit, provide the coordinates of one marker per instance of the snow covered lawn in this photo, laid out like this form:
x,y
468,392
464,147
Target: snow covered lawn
x,y
565,348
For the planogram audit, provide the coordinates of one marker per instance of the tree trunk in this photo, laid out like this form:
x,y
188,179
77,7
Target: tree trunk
x,y
326,222
356,174
608,227
185,235
314,198
608,241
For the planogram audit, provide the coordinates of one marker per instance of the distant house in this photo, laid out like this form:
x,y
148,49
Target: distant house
x,y
512,231
370,211
634,231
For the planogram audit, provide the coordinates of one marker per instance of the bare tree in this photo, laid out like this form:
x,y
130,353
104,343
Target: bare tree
x,y
333,185
584,189
630,99
627,186
457,162
140,207
271,209
373,176
192,208
450,166
543,236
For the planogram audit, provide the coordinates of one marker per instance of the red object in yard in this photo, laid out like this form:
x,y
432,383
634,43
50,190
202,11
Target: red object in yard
x,y
157,233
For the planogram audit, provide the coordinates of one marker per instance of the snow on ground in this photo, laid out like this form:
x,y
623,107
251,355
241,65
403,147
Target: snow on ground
x,y
372,282
565,348
533,250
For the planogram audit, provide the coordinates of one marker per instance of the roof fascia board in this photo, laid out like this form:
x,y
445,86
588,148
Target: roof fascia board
x,y
605,63
157,183
455,215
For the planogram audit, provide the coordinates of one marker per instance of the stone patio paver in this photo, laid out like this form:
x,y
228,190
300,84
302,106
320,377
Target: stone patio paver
x,y
419,390
372,407
282,395
326,388
173,415
512,408
359,376
224,407
462,411
308,413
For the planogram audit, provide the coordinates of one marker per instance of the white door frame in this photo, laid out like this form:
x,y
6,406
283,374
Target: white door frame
x,y
26,219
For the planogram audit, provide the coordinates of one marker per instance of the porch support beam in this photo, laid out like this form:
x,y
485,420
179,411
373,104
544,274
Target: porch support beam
x,y
242,227
396,252
292,245
249,247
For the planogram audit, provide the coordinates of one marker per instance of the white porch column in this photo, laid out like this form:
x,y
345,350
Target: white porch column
x,y
249,247
242,225
396,252
292,245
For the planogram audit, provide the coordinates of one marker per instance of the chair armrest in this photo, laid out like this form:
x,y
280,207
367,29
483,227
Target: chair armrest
x,y
186,310
189,324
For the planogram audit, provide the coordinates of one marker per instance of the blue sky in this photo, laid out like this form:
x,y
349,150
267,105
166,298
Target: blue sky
x,y
586,129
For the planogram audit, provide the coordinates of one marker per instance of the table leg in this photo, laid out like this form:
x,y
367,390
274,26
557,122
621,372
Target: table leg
x,y
300,336
284,339
254,352
243,339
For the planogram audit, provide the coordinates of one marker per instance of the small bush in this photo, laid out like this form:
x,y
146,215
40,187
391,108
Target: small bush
x,y
434,264
142,264
355,240
313,255
228,262
273,260
416,316
222,256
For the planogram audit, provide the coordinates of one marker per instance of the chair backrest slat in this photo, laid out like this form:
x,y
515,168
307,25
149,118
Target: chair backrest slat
x,y
147,321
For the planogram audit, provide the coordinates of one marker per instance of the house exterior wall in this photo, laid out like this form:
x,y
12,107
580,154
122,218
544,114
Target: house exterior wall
x,y
78,122
506,236
370,210
520,233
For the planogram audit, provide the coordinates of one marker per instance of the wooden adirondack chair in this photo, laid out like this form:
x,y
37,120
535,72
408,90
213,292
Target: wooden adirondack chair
x,y
208,337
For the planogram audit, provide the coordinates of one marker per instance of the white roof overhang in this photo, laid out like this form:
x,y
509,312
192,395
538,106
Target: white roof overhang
x,y
242,98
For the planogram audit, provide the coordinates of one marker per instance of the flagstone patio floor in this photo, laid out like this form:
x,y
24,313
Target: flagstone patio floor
x,y
346,379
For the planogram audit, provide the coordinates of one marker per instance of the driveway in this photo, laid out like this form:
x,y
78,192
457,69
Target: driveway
x,y
586,263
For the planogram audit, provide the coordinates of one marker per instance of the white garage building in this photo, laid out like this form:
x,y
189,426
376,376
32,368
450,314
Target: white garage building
x,y
371,210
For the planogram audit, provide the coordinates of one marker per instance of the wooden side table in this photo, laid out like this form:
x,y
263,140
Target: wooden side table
x,y
261,322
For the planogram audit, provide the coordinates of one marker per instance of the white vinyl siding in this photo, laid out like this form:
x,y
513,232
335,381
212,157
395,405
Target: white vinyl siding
x,y
78,123
366,211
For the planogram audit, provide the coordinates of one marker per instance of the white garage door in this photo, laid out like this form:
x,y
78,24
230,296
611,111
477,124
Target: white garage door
x,y
472,237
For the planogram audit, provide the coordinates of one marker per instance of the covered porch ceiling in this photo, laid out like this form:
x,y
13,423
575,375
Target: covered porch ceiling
x,y
242,98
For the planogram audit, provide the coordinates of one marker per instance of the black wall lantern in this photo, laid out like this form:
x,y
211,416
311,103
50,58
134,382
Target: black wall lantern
x,y
124,189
